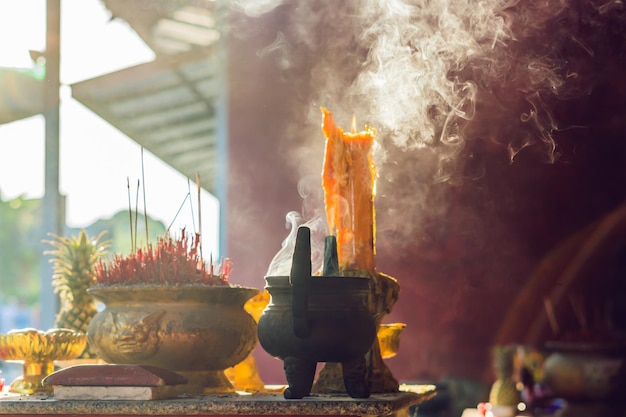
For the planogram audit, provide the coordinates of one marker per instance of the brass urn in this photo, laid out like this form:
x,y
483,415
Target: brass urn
x,y
195,330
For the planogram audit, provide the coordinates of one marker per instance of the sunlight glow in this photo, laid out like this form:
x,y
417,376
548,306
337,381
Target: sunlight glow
x,y
95,158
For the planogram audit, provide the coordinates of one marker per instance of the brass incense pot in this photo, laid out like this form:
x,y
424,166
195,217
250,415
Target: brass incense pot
x,y
307,318
312,319
166,307
38,350
197,331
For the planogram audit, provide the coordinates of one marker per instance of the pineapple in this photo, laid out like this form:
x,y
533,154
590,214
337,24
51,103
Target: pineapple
x,y
504,390
73,263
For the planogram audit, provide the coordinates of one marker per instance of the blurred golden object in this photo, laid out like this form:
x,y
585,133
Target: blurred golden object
x,y
38,350
256,304
389,339
245,376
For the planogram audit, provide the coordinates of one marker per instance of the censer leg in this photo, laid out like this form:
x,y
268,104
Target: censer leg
x,y
300,374
354,372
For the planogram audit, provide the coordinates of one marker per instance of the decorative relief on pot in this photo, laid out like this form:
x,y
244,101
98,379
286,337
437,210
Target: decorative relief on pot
x,y
137,337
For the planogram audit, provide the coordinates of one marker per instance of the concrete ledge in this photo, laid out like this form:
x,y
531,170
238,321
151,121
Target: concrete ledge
x,y
220,404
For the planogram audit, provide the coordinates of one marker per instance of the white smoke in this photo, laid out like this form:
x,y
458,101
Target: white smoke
x,y
255,8
281,263
390,61
433,75
424,72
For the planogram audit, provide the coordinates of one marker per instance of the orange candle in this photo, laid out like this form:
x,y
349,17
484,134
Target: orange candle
x,y
348,180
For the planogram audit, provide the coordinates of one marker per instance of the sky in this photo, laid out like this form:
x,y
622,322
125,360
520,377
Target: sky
x,y
96,160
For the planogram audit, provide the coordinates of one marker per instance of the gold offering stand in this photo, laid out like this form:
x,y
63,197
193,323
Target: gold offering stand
x,y
38,350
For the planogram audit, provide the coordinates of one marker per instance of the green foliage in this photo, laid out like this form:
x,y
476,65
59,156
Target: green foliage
x,y
19,250
21,246
118,230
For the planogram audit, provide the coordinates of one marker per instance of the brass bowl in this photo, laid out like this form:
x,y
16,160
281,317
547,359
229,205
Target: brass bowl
x,y
579,371
197,331
38,350
389,339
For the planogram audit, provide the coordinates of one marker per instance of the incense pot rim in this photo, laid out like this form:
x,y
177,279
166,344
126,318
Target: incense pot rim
x,y
172,293
321,281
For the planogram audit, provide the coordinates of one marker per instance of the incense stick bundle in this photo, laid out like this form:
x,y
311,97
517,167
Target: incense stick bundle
x,y
348,179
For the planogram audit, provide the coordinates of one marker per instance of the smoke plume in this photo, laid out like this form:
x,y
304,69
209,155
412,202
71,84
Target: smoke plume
x,y
433,76
430,73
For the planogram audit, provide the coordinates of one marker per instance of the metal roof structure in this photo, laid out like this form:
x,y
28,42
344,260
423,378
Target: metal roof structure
x,y
170,106
170,27
22,93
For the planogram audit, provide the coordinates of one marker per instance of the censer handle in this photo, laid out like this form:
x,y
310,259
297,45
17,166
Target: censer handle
x,y
299,278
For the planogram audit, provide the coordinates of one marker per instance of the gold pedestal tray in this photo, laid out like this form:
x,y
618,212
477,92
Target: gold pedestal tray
x,y
38,350
389,339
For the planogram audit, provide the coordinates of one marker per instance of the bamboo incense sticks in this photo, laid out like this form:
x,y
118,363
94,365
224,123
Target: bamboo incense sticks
x,y
348,180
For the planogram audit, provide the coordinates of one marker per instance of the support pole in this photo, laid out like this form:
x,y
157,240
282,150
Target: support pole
x,y
222,133
53,212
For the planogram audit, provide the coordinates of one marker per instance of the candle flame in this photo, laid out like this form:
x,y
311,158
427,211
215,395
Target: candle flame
x,y
353,125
